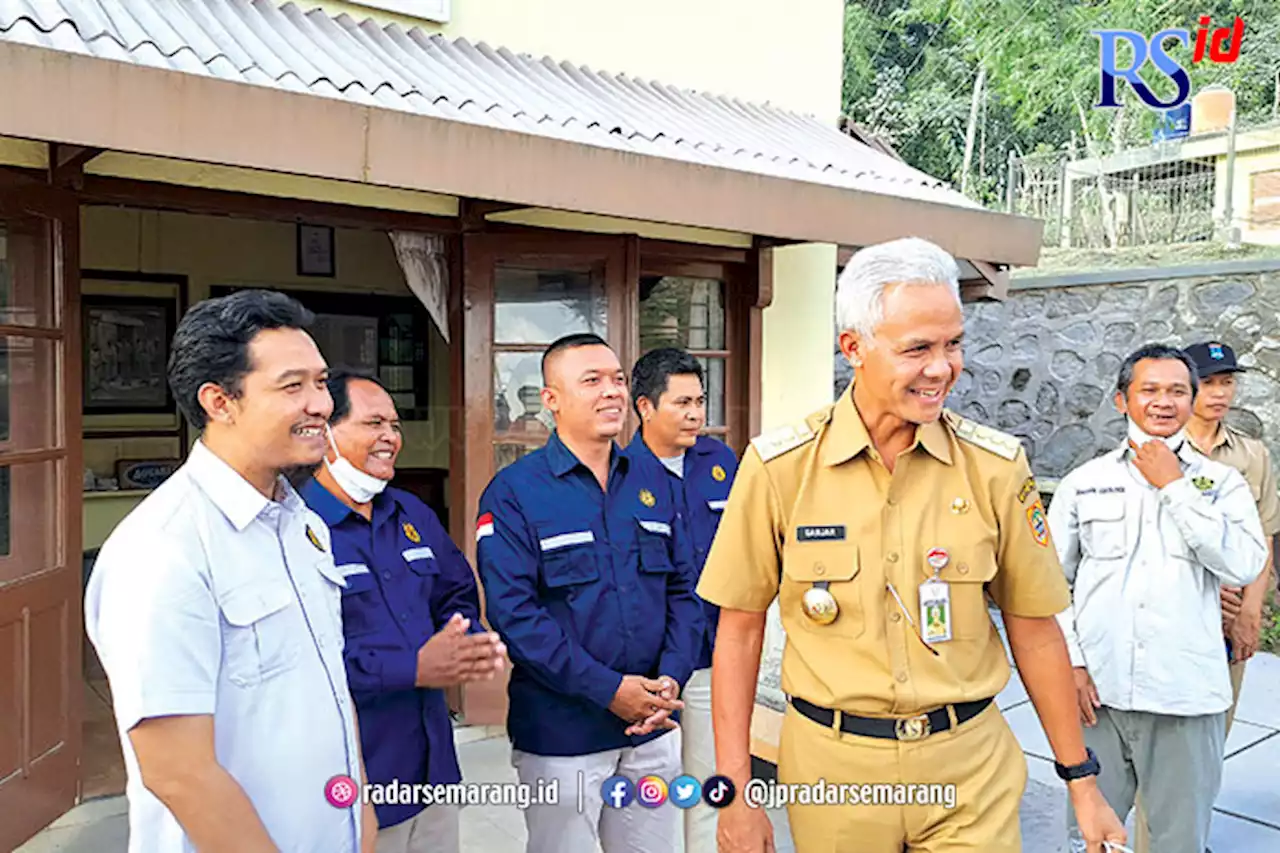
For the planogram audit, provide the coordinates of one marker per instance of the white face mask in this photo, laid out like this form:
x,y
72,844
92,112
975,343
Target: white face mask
x,y
1138,437
360,486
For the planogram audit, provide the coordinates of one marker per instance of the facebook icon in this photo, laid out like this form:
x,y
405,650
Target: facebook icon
x,y
617,791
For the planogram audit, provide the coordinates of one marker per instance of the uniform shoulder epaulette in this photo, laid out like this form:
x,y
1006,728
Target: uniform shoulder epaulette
x,y
778,441
992,440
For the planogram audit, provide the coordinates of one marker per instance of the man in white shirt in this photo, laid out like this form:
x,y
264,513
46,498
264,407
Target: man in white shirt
x,y
1147,534
214,607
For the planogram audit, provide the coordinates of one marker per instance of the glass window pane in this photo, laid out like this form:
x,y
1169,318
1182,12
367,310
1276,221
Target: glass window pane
x,y
539,306
28,367
30,524
681,312
713,370
26,283
506,453
517,394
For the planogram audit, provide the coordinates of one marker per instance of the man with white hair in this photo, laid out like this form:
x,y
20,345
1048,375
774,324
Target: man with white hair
x,y
882,522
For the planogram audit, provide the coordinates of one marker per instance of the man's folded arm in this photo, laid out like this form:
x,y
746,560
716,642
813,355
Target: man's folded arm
x,y
1225,534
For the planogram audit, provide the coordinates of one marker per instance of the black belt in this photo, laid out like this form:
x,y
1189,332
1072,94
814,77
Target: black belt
x,y
908,728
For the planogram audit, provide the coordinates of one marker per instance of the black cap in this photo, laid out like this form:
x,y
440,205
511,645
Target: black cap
x,y
1213,357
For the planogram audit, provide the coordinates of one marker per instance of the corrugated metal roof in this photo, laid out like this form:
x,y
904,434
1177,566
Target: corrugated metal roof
x,y
266,44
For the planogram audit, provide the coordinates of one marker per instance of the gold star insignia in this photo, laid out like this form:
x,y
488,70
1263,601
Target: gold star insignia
x,y
647,498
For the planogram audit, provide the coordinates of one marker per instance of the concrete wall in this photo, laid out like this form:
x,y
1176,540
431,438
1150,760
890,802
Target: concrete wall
x,y
1043,365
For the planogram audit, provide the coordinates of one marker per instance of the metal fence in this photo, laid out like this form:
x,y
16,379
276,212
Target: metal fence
x,y
1083,206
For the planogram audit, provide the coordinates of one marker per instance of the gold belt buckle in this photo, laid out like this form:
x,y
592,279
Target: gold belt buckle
x,y
913,728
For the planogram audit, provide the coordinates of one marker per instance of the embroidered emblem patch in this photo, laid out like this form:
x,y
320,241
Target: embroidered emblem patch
x,y
314,539
1039,524
1204,484
647,498
718,474
1027,488
411,533
1215,352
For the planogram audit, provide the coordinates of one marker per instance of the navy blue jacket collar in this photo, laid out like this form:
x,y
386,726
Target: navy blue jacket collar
x,y
561,459
333,511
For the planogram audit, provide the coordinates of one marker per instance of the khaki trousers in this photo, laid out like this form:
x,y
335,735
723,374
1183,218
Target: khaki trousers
x,y
1141,830
981,758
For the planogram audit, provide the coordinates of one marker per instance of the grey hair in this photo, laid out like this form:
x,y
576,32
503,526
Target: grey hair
x,y
910,260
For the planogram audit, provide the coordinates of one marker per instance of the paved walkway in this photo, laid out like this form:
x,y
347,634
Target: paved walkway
x,y
1246,820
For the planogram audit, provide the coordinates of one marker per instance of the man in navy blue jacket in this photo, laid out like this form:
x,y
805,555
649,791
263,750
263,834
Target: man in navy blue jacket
x,y
668,394
588,578
410,613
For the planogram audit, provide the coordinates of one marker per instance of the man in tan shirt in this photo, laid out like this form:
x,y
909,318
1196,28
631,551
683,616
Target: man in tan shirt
x,y
882,523
1241,607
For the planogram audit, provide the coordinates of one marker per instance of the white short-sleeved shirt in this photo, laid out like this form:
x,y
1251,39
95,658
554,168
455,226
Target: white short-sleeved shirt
x,y
210,599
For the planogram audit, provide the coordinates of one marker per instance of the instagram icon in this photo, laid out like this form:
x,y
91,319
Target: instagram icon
x,y
651,791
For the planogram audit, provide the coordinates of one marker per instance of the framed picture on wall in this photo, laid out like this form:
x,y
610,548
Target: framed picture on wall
x,y
316,251
126,353
385,336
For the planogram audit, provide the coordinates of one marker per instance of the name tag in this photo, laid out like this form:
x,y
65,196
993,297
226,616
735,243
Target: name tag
x,y
935,611
423,553
349,569
825,533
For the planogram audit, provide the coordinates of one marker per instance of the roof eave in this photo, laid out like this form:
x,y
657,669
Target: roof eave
x,y
138,109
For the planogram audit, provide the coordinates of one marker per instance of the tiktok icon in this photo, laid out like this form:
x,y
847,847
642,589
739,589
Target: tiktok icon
x,y
718,791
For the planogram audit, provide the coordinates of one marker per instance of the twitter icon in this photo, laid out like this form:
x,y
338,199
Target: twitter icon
x,y
686,791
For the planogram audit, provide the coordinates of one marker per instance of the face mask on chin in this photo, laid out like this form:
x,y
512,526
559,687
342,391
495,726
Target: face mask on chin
x,y
1139,438
360,486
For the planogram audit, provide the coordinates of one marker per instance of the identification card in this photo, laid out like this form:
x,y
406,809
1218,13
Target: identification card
x,y
935,611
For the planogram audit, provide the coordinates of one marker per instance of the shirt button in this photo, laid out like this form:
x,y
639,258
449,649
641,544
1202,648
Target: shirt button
x,y
387,575
896,617
963,568
902,677
893,557
404,617
819,569
893,501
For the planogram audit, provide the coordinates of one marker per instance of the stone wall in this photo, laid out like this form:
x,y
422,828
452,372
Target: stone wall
x,y
1043,364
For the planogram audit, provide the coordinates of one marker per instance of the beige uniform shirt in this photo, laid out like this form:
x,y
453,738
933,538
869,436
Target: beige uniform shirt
x,y
813,502
1252,459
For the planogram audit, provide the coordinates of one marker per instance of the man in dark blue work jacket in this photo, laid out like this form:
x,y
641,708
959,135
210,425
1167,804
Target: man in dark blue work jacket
x,y
589,581
668,394
410,614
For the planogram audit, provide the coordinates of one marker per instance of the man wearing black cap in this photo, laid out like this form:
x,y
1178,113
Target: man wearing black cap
x,y
1241,607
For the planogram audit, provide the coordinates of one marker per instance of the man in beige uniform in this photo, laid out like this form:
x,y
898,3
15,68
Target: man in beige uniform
x,y
1217,367
862,519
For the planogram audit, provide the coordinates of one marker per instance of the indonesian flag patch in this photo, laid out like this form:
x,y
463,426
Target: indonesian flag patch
x,y
484,526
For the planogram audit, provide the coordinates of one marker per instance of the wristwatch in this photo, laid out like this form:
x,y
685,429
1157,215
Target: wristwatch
x,y
1088,767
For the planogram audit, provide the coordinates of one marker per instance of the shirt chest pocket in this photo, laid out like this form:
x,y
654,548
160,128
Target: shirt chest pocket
x,y
1103,532
361,601
654,539
809,567
568,560
261,637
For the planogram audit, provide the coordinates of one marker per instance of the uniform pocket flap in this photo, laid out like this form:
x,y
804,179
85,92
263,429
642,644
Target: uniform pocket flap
x,y
421,560
245,605
811,562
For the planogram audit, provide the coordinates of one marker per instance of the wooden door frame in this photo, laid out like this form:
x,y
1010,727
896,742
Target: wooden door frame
x,y
52,783
747,274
